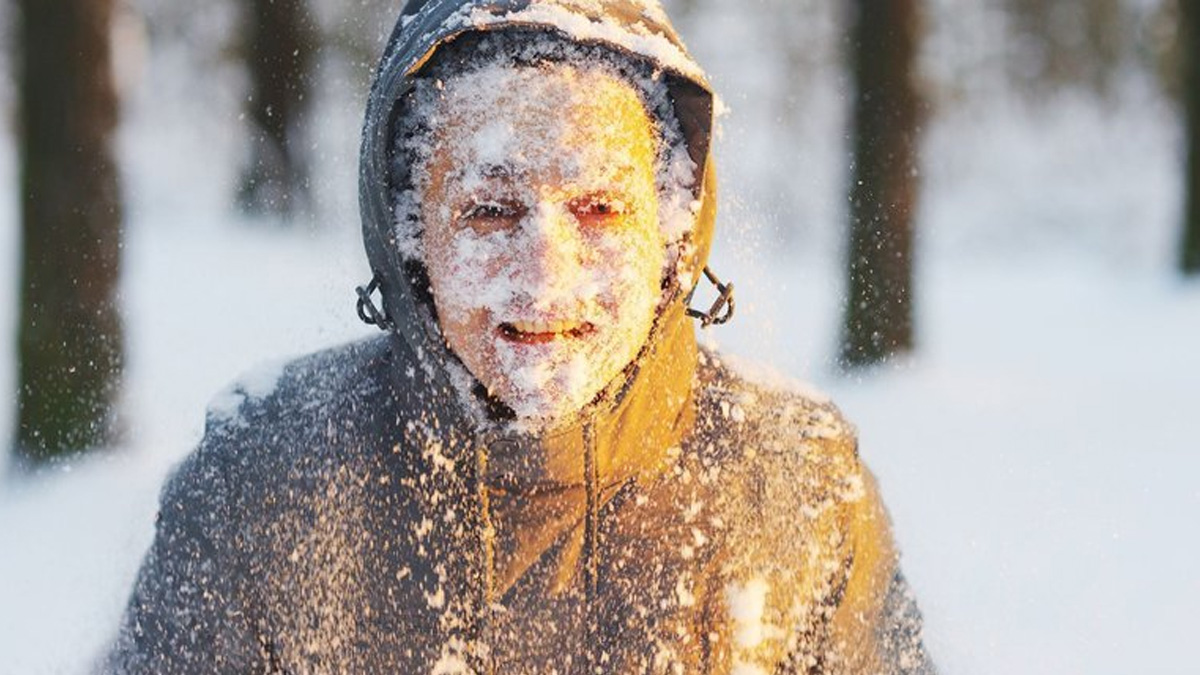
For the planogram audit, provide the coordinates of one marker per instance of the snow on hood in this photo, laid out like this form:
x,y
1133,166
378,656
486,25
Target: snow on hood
x,y
591,21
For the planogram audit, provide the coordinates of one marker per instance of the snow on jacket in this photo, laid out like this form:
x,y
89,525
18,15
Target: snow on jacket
x,y
357,518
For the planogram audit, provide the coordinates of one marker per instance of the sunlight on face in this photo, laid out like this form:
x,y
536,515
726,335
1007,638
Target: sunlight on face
x,y
541,232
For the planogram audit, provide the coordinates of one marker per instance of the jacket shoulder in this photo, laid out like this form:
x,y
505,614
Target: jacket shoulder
x,y
284,415
787,458
277,390
765,406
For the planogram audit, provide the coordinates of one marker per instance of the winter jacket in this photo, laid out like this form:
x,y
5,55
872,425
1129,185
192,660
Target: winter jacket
x,y
360,518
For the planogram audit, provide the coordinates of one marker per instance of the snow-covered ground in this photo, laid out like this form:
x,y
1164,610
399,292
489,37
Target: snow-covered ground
x,y
1039,452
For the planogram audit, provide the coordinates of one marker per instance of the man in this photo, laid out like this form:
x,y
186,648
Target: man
x,y
534,470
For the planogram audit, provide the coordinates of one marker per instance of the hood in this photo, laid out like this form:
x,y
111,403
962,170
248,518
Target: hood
x,y
626,435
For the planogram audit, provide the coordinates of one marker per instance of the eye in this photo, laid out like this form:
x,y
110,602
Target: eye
x,y
487,211
491,215
598,209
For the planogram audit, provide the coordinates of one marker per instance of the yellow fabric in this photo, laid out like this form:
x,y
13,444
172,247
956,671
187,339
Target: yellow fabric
x,y
633,435
873,565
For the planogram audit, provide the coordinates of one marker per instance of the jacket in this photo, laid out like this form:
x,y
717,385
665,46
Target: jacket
x,y
359,518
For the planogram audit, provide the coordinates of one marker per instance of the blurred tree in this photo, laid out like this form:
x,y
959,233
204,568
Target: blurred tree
x,y
70,342
1068,42
279,54
682,8
878,319
1190,32
1159,46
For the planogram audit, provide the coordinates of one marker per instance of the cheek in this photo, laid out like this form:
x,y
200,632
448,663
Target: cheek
x,y
466,273
467,334
627,267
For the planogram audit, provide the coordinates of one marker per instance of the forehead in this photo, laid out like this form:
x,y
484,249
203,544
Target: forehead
x,y
503,119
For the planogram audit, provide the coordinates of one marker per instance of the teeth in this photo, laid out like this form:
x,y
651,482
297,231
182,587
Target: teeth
x,y
545,326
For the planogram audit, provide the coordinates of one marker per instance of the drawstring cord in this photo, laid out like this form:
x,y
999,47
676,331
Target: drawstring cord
x,y
487,562
722,308
368,312
591,570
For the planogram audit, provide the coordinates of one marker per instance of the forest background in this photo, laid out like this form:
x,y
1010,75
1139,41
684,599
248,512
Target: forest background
x,y
1037,444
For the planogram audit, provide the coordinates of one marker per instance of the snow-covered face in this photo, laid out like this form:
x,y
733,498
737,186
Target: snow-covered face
x,y
541,232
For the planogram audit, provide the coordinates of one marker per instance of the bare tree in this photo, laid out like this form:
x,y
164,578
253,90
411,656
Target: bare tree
x,y
1190,32
883,191
1067,42
70,342
279,57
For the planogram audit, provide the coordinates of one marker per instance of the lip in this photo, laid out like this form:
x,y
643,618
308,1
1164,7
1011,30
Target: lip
x,y
542,332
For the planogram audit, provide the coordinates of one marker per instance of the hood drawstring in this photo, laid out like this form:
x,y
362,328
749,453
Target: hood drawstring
x,y
368,312
591,558
722,308
487,562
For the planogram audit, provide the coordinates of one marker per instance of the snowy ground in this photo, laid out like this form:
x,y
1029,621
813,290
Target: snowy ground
x,y
1038,453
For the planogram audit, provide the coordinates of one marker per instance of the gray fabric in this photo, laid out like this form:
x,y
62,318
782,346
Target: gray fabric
x,y
900,632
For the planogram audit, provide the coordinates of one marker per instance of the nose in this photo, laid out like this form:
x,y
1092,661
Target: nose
x,y
553,249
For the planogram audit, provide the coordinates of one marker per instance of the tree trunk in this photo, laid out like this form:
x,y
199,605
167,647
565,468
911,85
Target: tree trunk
x,y
70,342
1067,42
1190,32
279,54
883,191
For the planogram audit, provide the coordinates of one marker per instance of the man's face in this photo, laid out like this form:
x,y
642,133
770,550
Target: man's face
x,y
542,235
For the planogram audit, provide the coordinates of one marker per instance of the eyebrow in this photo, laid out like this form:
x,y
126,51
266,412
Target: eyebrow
x,y
489,171
507,170
504,170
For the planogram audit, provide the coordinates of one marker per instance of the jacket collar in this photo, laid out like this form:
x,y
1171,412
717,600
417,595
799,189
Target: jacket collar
x,y
630,429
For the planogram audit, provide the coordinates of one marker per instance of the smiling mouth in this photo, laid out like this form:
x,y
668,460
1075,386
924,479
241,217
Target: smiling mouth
x,y
539,332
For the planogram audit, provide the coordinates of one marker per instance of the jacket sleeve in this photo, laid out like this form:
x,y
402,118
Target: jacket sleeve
x,y
186,614
876,626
